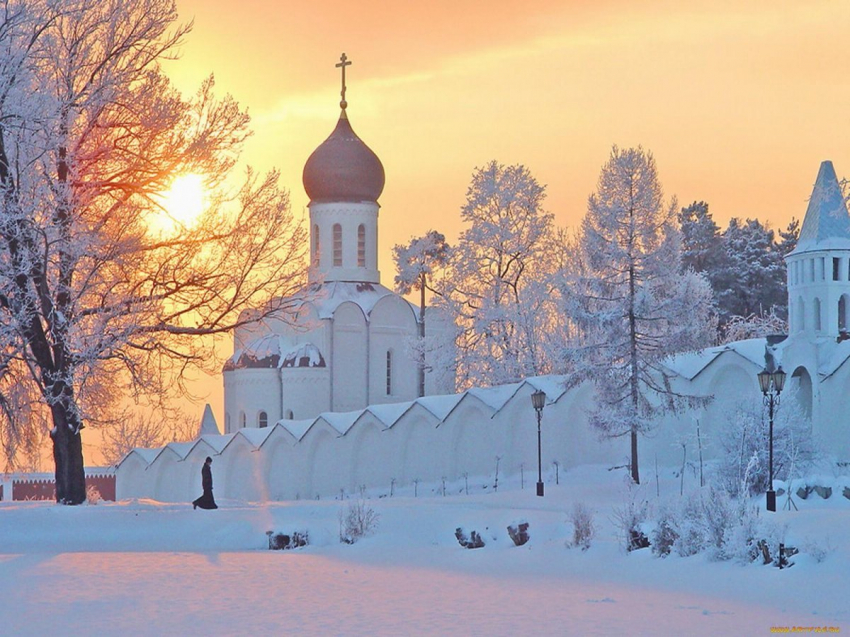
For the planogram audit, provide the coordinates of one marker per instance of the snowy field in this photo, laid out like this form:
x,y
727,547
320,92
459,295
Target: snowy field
x,y
147,568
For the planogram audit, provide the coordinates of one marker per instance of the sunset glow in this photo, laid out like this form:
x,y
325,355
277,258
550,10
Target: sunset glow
x,y
739,103
183,202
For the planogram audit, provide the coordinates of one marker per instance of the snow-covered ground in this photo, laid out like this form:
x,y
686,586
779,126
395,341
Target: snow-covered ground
x,y
143,567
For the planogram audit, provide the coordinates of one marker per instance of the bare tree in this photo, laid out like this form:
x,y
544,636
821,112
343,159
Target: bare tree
x,y
95,304
146,430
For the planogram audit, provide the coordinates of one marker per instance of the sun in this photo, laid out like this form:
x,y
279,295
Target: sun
x,y
183,202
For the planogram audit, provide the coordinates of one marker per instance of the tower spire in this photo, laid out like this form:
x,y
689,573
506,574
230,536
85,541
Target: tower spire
x,y
343,62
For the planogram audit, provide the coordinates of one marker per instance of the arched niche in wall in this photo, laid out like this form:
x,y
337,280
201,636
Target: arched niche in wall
x,y
801,386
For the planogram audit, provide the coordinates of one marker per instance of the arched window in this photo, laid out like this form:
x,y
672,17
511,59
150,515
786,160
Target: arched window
x,y
263,419
361,246
389,372
227,423
801,314
817,319
842,313
316,245
289,414
242,420
337,245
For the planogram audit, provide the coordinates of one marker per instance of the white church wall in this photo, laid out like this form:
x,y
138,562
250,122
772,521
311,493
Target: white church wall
x,y
832,429
306,392
327,462
371,450
348,358
284,467
475,439
171,478
242,470
417,445
391,323
137,481
248,392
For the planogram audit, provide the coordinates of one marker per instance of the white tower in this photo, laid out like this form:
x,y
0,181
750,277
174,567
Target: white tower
x,y
819,267
344,179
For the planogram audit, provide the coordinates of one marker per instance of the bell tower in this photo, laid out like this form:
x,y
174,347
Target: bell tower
x,y
818,268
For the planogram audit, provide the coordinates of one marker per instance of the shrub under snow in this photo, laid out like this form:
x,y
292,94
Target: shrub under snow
x,y
356,521
584,530
745,437
713,522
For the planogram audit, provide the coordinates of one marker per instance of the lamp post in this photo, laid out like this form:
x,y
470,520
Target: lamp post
x,y
538,399
771,384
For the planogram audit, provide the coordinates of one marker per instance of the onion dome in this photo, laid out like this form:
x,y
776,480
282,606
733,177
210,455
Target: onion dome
x,y
343,169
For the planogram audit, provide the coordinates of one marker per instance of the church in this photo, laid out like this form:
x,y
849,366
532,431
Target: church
x,y
349,346
331,403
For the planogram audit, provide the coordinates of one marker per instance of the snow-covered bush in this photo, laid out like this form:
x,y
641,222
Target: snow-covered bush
x,y
746,435
713,522
664,535
357,520
629,520
689,527
584,530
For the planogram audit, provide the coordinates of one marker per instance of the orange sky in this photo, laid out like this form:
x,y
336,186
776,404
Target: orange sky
x,y
739,101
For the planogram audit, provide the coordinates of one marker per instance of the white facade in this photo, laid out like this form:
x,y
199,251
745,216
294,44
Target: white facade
x,y
349,347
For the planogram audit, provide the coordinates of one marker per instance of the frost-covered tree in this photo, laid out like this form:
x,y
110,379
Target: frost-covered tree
x,y
415,264
702,243
631,301
753,277
744,443
789,237
148,431
493,286
740,328
97,304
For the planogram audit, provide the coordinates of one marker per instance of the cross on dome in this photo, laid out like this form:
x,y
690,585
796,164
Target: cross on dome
x,y
343,62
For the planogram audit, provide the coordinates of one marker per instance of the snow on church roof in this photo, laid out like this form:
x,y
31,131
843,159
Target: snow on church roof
x,y
827,223
341,421
690,364
389,413
494,397
329,296
838,357
273,351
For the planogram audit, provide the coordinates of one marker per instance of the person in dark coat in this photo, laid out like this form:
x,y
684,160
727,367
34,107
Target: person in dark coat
x,y
206,501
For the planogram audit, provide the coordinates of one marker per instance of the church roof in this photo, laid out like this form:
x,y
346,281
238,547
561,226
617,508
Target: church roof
x,y
274,351
690,364
827,222
329,296
208,424
343,169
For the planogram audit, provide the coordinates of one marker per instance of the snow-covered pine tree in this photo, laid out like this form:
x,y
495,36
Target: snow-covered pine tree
x,y
415,264
631,301
702,243
789,237
493,286
753,277
95,304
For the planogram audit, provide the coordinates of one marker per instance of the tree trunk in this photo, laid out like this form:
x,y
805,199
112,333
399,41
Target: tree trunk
x,y
421,369
68,457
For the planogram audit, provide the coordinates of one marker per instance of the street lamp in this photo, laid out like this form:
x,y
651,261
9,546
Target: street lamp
x,y
538,399
771,384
